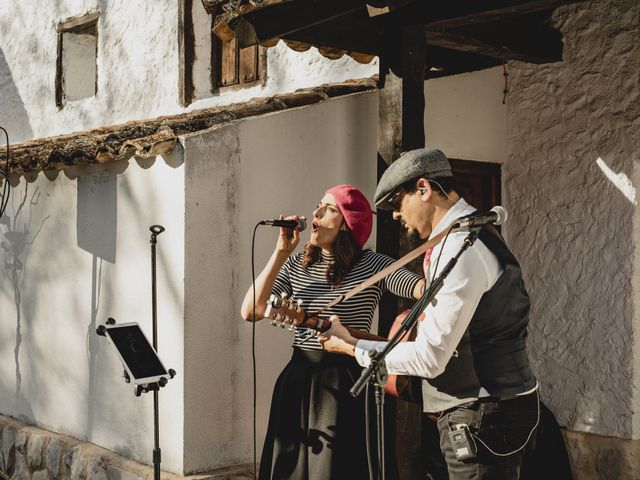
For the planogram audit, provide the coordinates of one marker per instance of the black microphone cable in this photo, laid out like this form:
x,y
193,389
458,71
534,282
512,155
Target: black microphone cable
x,y
253,349
6,188
367,431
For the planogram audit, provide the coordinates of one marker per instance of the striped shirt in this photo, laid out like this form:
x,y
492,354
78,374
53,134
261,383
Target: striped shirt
x,y
310,285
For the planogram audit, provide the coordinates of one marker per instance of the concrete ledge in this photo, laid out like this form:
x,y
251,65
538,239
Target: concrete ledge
x,y
31,453
603,458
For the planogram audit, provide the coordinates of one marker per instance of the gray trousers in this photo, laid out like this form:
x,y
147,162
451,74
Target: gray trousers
x,y
502,426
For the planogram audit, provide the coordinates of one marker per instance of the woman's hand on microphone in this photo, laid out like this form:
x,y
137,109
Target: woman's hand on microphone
x,y
289,238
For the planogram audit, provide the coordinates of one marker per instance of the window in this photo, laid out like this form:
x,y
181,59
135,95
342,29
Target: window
x,y
231,65
210,59
77,71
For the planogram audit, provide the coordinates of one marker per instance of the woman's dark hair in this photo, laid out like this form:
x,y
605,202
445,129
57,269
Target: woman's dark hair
x,y
346,252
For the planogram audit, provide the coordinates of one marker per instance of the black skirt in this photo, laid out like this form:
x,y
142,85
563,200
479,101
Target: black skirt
x,y
316,429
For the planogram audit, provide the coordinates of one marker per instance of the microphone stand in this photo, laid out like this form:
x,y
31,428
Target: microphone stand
x,y
155,231
376,373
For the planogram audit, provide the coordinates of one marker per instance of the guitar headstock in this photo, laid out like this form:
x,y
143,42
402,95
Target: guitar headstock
x,y
284,312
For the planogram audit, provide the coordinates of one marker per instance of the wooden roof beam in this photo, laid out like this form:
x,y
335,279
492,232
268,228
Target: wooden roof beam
x,y
442,62
281,20
457,13
503,40
350,33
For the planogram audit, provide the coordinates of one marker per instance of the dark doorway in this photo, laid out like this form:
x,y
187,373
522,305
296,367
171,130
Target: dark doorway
x,y
479,182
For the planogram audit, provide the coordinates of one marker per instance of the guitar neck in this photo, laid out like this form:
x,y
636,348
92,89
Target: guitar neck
x,y
364,335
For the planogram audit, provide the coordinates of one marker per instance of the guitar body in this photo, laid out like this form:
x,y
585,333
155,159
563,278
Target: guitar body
x,y
403,386
284,312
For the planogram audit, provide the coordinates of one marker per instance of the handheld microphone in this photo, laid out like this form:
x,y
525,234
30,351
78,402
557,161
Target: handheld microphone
x,y
497,216
300,224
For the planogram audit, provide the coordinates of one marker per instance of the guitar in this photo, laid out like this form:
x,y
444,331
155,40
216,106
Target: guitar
x,y
286,313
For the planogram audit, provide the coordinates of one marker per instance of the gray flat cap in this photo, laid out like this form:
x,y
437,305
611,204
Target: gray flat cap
x,y
426,162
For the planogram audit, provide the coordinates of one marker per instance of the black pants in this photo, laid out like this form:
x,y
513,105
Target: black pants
x,y
498,428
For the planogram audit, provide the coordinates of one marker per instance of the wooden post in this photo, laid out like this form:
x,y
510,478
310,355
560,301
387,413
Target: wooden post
x,y
186,52
401,128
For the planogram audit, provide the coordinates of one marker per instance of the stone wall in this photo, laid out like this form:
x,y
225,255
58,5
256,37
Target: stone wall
x,y
30,453
573,136
603,458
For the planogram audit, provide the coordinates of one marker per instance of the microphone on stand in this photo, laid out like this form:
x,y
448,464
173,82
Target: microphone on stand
x,y
300,224
497,216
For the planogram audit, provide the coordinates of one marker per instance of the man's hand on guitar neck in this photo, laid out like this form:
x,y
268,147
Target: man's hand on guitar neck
x,y
338,339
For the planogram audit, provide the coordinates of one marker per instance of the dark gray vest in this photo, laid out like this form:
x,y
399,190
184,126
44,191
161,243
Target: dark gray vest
x,y
492,352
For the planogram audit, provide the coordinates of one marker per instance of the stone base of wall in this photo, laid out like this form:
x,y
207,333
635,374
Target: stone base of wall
x,y
603,458
31,453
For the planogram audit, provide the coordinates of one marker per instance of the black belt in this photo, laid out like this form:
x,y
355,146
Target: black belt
x,y
435,416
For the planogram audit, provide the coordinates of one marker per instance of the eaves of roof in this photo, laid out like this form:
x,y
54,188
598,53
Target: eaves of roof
x,y
149,138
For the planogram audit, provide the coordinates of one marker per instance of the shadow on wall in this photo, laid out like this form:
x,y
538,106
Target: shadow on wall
x,y
96,230
97,215
13,115
19,232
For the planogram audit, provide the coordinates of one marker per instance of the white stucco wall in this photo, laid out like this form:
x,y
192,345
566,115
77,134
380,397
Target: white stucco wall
x,y
574,224
137,66
73,253
235,176
465,117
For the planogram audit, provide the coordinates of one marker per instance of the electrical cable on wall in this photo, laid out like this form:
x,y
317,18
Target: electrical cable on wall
x,y
6,187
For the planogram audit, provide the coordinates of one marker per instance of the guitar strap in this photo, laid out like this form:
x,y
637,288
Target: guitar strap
x,y
386,271
401,262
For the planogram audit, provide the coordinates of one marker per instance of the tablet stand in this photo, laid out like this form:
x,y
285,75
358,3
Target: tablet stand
x,y
153,386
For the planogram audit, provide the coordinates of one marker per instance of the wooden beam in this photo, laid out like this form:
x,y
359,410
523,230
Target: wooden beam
x,y
455,13
413,67
283,19
494,10
186,52
351,32
504,40
443,59
79,22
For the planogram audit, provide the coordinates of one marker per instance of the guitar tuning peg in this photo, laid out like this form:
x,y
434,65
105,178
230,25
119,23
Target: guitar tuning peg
x,y
284,295
292,328
273,323
283,325
299,305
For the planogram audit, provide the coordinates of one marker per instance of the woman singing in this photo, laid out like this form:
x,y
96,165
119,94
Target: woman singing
x,y
316,429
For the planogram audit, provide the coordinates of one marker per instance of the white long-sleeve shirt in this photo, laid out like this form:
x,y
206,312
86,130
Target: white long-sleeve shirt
x,y
444,325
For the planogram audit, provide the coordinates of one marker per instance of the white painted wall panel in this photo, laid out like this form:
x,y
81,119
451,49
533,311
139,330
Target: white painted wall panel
x,y
465,117
73,253
235,176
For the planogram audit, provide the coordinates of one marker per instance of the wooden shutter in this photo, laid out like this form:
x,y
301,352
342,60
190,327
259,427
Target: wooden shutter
x,y
231,65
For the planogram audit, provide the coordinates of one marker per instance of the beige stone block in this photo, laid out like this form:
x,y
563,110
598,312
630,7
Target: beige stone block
x,y
34,451
41,475
603,458
54,451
